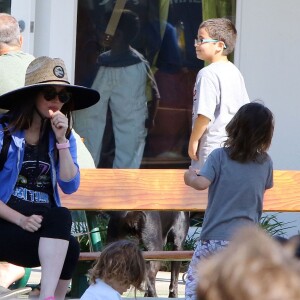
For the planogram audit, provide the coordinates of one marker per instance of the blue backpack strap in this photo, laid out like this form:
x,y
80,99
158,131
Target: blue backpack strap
x,y
5,146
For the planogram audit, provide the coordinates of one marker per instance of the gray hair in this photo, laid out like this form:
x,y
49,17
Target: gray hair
x,y
9,30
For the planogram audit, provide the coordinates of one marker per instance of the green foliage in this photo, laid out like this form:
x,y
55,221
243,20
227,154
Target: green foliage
x,y
192,240
82,231
273,226
219,9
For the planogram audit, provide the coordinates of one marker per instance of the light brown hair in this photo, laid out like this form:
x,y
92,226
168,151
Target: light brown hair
x,y
254,266
221,29
121,261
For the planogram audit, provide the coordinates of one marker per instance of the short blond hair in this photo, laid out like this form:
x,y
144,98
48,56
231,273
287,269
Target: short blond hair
x,y
254,266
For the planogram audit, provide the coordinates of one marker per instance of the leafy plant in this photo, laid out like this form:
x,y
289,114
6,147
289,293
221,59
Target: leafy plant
x,y
192,240
81,230
273,226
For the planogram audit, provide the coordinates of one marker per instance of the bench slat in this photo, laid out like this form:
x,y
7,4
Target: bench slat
x,y
149,255
164,189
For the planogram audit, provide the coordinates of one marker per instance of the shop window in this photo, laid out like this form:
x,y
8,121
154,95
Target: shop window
x,y
166,40
5,6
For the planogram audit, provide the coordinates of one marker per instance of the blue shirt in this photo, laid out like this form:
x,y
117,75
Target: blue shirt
x,y
124,59
13,164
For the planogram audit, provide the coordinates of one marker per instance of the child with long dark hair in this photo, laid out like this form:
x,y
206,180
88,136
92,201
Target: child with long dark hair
x,y
119,266
237,176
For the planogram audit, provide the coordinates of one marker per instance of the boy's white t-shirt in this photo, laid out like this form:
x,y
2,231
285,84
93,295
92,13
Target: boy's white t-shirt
x,y
100,291
219,92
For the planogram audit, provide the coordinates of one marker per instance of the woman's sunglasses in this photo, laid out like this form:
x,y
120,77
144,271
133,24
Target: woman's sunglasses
x,y
50,93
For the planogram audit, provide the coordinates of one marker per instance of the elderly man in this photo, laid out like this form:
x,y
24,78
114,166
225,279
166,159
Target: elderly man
x,y
13,61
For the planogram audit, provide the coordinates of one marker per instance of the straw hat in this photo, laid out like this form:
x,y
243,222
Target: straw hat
x,y
49,71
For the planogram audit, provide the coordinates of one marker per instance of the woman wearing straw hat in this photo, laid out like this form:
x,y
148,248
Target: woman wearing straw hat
x,y
41,156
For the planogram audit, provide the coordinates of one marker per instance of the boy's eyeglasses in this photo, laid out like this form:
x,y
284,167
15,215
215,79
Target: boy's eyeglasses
x,y
203,41
50,93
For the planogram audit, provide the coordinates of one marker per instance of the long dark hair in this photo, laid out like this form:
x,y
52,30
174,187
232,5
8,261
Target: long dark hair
x,y
21,116
250,133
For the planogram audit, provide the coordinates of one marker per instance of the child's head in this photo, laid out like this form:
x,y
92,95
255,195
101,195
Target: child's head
x,y
129,25
121,264
253,266
221,29
250,133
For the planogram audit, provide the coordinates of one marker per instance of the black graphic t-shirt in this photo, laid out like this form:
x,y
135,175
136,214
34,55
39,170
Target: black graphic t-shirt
x,y
34,181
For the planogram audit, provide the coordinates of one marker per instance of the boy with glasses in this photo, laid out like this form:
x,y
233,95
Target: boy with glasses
x,y
219,89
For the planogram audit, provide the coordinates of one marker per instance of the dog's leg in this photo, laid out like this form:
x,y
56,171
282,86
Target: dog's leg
x,y
178,234
152,241
173,288
153,267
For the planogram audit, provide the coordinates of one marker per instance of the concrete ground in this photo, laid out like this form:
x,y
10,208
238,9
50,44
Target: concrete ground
x,y
162,284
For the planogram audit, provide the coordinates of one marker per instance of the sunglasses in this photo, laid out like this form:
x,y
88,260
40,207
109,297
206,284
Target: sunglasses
x,y
50,94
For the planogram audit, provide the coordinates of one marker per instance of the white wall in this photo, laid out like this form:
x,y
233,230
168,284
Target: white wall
x,y
25,11
50,29
267,54
268,57
55,31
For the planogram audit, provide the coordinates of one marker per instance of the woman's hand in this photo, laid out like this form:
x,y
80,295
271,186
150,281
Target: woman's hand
x,y
31,223
59,123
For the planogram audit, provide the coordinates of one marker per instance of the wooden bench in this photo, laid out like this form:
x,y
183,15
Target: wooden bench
x,y
164,189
